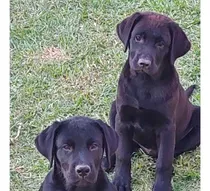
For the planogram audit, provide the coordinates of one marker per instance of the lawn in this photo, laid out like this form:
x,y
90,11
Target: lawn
x,y
66,60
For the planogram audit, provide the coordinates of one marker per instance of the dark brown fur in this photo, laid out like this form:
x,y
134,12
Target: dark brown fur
x,y
152,109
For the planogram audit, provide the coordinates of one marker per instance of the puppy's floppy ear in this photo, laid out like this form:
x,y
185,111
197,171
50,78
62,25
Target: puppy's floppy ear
x,y
125,28
110,140
45,141
180,44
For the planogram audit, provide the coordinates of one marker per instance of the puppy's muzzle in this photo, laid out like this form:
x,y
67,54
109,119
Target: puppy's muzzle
x,y
82,170
144,63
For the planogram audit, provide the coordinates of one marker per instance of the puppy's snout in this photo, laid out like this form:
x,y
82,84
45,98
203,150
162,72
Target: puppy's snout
x,y
144,63
82,170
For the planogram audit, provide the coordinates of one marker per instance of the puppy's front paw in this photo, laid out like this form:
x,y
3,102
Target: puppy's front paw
x,y
122,184
162,186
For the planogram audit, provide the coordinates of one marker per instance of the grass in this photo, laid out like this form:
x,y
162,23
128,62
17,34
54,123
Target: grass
x,y
66,60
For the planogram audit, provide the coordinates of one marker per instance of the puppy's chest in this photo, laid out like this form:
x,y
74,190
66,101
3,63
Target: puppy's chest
x,y
150,95
153,95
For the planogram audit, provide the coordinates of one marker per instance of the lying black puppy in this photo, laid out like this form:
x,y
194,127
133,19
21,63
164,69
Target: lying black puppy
x,y
75,149
152,109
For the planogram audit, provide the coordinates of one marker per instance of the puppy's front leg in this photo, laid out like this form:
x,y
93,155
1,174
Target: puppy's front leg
x,y
164,166
122,179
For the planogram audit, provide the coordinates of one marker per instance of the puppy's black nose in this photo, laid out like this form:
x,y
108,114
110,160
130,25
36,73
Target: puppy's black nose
x,y
82,170
144,63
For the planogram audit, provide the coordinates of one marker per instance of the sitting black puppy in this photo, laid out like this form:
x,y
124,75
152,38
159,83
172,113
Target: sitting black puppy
x,y
152,110
75,149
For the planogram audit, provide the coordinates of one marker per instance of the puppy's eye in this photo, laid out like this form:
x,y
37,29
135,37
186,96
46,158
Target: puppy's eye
x,y
139,38
160,44
93,147
68,147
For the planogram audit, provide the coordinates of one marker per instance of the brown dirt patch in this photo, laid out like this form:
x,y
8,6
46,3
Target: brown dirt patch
x,y
53,53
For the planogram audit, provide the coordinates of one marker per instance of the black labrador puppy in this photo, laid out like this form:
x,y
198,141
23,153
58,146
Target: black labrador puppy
x,y
75,149
152,110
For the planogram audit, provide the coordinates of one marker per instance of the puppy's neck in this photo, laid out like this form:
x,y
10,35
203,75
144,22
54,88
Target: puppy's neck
x,y
89,188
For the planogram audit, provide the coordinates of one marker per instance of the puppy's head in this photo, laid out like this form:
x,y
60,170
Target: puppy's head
x,y
153,40
76,146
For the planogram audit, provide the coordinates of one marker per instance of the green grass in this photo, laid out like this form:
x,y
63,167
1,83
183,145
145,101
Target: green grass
x,y
84,80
